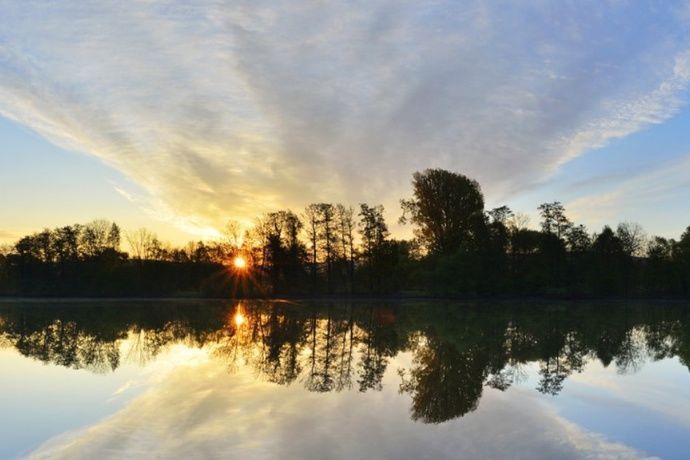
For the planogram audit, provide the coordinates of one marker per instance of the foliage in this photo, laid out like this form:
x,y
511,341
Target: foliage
x,y
447,209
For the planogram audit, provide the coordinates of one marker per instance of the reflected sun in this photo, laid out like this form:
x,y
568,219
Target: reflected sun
x,y
239,319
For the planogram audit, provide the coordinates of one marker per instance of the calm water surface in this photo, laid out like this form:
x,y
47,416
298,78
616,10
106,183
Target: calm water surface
x,y
343,380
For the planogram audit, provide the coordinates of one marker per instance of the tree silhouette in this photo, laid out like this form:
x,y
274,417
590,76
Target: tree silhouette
x,y
446,209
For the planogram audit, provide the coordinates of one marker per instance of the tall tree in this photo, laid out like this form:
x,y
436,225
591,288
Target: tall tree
x,y
311,217
328,238
346,224
282,249
373,231
113,239
554,219
447,209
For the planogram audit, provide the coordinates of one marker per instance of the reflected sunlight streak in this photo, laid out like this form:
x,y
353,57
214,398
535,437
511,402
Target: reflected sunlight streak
x,y
239,319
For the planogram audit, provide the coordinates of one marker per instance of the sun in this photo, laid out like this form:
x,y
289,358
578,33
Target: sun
x,y
239,263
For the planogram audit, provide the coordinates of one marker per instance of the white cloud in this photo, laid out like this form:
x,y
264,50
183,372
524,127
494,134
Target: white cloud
x,y
225,109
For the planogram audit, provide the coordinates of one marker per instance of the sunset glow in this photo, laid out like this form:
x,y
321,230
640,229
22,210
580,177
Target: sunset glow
x,y
239,262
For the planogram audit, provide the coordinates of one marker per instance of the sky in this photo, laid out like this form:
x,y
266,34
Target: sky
x,y
179,116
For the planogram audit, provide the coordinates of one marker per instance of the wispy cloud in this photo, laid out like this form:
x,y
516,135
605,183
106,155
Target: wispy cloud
x,y
651,189
225,109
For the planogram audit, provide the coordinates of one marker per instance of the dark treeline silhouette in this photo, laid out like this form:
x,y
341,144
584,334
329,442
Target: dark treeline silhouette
x,y
456,353
459,249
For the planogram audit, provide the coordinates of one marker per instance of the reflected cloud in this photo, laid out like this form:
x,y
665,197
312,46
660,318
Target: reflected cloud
x,y
199,411
654,383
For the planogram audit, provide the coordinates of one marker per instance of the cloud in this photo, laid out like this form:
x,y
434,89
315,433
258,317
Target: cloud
x,y
655,188
226,109
201,411
6,237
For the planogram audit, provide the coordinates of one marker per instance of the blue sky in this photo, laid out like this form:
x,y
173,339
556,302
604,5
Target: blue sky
x,y
178,117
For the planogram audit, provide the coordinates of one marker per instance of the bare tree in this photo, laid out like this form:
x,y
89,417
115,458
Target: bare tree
x,y
232,237
518,221
141,243
311,218
633,238
328,238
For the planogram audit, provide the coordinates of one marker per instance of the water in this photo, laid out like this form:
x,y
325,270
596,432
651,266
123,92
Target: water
x,y
343,380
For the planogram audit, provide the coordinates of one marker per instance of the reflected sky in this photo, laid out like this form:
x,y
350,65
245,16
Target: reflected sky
x,y
265,380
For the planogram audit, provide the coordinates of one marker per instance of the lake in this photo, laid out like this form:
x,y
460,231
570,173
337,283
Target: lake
x,y
344,380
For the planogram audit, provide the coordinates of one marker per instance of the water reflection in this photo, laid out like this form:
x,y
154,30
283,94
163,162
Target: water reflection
x,y
457,350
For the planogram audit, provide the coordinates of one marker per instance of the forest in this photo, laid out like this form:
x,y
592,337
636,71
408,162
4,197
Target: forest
x,y
459,249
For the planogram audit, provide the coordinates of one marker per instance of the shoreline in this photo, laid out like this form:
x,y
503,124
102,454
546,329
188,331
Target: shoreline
x,y
352,299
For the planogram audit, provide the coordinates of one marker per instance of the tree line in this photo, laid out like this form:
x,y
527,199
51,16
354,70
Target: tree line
x,y
459,249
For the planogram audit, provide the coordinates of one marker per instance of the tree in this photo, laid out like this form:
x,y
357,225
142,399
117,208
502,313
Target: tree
x,y
607,243
311,216
683,245
578,239
346,224
372,229
447,208
97,236
659,273
141,243
281,248
608,263
323,238
660,248
328,239
518,221
113,239
493,266
66,243
554,219
374,233
681,254
632,238
232,233
502,215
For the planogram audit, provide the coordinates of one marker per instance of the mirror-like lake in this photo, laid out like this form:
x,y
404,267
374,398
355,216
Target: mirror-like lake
x,y
350,380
